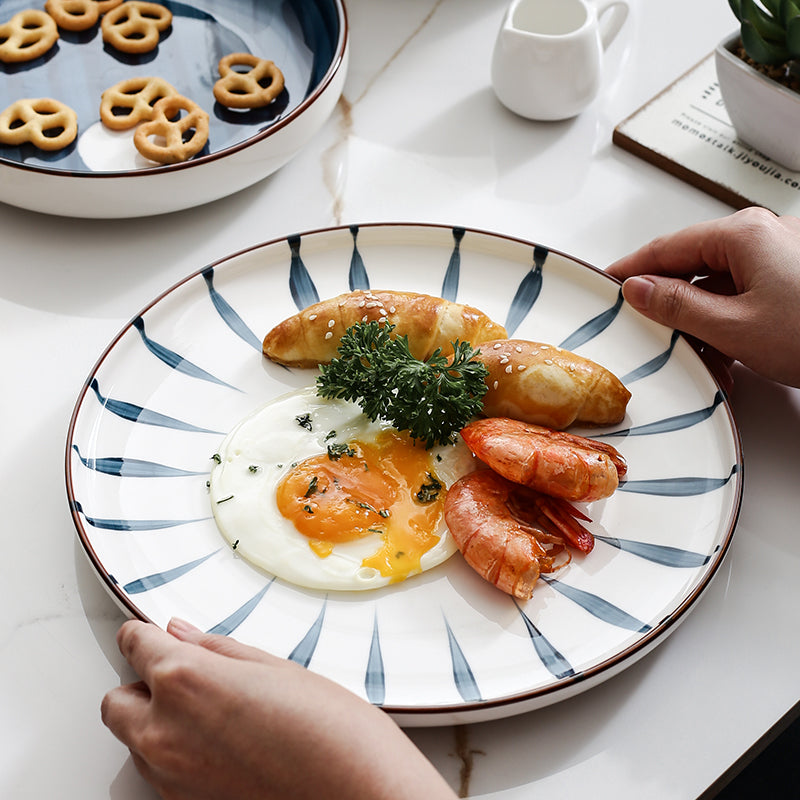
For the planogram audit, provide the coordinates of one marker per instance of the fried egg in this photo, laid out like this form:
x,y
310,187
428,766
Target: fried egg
x,y
312,491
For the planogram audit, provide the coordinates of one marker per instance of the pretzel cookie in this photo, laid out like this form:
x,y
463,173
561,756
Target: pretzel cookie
x,y
255,87
27,35
131,101
135,26
44,122
78,15
177,131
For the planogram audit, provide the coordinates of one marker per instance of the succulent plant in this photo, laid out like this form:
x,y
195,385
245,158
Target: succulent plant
x,y
770,29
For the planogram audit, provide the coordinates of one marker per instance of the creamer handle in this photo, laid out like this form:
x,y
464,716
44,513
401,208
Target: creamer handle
x,y
611,15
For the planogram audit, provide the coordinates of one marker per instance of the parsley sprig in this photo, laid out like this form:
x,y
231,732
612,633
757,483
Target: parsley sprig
x,y
431,399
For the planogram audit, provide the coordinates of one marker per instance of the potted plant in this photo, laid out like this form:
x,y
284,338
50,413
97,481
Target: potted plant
x,y
758,69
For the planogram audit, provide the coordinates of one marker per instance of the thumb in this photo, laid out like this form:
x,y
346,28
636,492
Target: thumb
x,y
682,305
216,643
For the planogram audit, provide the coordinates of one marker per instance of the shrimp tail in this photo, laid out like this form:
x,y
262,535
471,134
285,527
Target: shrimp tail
x,y
562,515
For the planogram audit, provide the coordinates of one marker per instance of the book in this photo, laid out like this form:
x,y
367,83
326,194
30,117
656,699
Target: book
x,y
685,130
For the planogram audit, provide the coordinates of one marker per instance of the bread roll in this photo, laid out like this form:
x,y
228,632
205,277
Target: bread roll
x,y
545,385
312,336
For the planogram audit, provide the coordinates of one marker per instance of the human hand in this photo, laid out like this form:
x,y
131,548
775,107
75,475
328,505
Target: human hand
x,y
213,718
733,283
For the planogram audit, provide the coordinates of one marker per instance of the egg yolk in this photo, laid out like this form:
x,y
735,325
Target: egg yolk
x,y
386,488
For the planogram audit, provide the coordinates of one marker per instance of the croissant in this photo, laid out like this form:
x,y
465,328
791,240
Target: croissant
x,y
312,336
545,385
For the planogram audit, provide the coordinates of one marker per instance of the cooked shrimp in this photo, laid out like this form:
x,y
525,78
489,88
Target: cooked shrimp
x,y
552,462
510,534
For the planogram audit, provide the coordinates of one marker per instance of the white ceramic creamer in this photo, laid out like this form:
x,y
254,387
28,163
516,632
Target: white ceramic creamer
x,y
547,60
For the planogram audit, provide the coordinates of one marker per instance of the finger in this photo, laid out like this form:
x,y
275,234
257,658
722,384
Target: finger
x,y
124,710
678,253
217,643
685,307
143,644
706,245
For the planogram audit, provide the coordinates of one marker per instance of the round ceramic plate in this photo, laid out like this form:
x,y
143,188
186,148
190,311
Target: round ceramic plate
x,y
103,171
444,646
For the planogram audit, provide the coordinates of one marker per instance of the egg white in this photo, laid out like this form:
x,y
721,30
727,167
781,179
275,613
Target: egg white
x,y
261,450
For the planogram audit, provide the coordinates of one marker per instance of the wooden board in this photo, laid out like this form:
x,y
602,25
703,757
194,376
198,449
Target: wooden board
x,y
685,130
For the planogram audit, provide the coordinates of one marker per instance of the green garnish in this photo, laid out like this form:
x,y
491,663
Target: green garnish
x,y
431,399
429,491
337,450
384,512
312,487
304,421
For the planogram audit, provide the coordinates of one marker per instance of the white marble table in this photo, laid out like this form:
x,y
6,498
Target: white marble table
x,y
418,136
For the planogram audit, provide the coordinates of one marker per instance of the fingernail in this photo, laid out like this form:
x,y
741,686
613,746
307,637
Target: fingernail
x,y
638,291
180,627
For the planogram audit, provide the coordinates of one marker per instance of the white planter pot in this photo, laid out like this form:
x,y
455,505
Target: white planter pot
x,y
765,114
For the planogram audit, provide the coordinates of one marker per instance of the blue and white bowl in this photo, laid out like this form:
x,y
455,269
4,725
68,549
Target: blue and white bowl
x,y
101,175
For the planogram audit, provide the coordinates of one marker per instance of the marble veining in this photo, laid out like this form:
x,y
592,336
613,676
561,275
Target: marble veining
x,y
334,158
